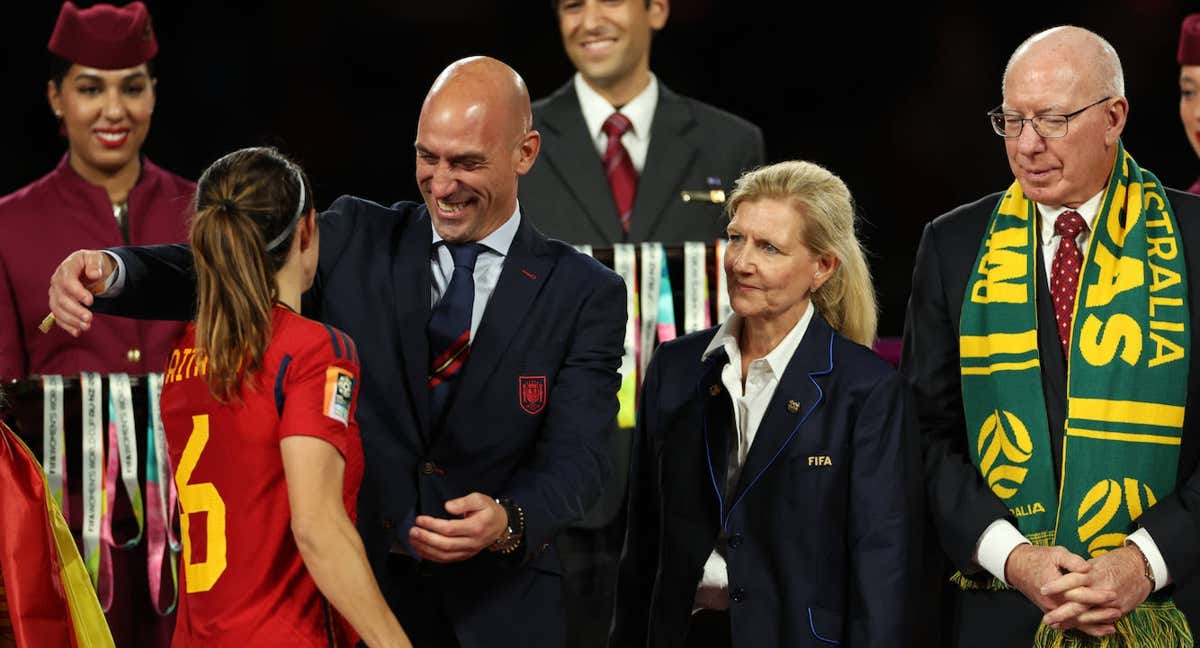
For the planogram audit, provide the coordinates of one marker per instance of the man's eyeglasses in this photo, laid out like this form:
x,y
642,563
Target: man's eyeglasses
x,y
1010,125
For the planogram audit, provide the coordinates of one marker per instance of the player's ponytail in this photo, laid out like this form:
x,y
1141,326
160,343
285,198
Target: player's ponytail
x,y
248,205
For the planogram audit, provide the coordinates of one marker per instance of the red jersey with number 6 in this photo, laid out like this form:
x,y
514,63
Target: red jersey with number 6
x,y
242,581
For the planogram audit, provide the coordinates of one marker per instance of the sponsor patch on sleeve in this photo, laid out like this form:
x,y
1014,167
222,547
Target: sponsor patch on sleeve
x,y
339,392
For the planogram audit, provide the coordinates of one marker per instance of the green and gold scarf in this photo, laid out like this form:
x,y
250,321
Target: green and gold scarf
x,y
1126,384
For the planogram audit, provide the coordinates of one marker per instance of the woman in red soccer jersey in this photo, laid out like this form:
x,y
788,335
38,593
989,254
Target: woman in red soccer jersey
x,y
258,404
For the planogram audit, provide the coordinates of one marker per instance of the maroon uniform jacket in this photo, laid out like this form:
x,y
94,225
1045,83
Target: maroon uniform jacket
x,y
40,225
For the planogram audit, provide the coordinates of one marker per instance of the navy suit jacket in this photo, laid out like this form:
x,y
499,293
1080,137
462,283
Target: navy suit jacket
x,y
823,526
529,420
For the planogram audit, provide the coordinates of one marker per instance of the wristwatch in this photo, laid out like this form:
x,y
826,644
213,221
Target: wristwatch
x,y
1145,563
510,540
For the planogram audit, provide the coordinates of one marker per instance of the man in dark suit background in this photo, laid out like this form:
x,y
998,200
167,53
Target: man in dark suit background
x,y
1063,113
465,487
590,188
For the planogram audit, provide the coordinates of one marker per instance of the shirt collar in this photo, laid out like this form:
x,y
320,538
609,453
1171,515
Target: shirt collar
x,y
596,109
779,357
1088,211
498,241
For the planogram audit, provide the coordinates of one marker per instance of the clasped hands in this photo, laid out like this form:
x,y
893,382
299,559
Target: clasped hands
x,y
479,522
1089,595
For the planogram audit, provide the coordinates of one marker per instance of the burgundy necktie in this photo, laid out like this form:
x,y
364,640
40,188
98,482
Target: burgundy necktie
x,y
618,166
1064,273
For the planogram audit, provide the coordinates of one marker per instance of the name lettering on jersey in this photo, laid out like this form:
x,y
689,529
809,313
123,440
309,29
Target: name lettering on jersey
x,y
183,364
339,393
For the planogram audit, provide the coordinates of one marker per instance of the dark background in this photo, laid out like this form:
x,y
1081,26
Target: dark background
x,y
890,97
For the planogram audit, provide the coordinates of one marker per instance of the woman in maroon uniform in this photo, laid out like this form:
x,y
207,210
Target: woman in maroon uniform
x,y
258,404
1189,84
102,193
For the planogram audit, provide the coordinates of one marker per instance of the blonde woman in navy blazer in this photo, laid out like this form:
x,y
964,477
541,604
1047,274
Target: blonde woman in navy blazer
x,y
775,489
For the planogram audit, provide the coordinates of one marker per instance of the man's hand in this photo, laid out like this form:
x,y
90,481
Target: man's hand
x,y
72,285
1112,588
481,522
1029,567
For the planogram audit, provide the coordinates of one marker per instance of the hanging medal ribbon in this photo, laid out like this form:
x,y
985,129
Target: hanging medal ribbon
x,y
122,451
724,309
93,476
586,249
54,449
666,301
651,276
161,542
625,264
122,433
695,288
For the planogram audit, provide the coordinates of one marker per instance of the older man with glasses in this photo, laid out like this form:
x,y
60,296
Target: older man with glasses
x,y
1049,339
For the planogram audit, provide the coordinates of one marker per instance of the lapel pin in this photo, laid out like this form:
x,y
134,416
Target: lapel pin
x,y
528,273
714,390
793,406
714,196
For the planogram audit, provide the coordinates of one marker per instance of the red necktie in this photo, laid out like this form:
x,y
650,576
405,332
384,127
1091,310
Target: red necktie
x,y
618,166
1064,273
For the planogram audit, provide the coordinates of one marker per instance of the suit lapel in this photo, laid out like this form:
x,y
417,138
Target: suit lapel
x,y
412,280
569,151
526,269
668,161
717,416
796,397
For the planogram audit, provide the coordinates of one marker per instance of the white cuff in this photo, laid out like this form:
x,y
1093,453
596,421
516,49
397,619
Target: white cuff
x,y
1158,566
115,283
995,544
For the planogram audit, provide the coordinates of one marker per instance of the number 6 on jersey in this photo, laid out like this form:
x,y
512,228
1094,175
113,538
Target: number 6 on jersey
x,y
200,498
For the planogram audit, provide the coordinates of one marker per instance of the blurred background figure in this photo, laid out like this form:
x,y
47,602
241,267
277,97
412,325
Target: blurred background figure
x,y
101,89
619,147
1189,84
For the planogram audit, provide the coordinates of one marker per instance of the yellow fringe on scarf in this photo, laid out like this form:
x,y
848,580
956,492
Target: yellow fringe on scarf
x,y
1150,625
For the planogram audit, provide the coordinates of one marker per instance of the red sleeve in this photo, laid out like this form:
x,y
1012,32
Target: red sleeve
x,y
321,394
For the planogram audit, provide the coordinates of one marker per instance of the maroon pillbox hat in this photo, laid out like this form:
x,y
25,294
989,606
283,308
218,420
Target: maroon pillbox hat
x,y
104,36
1189,41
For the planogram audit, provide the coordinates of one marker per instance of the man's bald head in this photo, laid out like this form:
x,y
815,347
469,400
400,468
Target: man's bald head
x,y
1074,51
474,140
1075,75
481,82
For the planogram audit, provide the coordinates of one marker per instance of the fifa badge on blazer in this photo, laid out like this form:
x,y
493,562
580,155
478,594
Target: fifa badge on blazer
x,y
532,393
714,194
793,406
820,460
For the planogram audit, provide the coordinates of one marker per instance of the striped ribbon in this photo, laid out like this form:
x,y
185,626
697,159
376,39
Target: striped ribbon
x,y
625,265
161,542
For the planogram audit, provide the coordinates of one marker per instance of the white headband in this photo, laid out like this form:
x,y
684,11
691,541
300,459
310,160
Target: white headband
x,y
287,231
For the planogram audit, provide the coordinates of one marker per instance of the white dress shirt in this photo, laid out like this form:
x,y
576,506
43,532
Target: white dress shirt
x,y
487,266
749,406
1000,537
640,111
